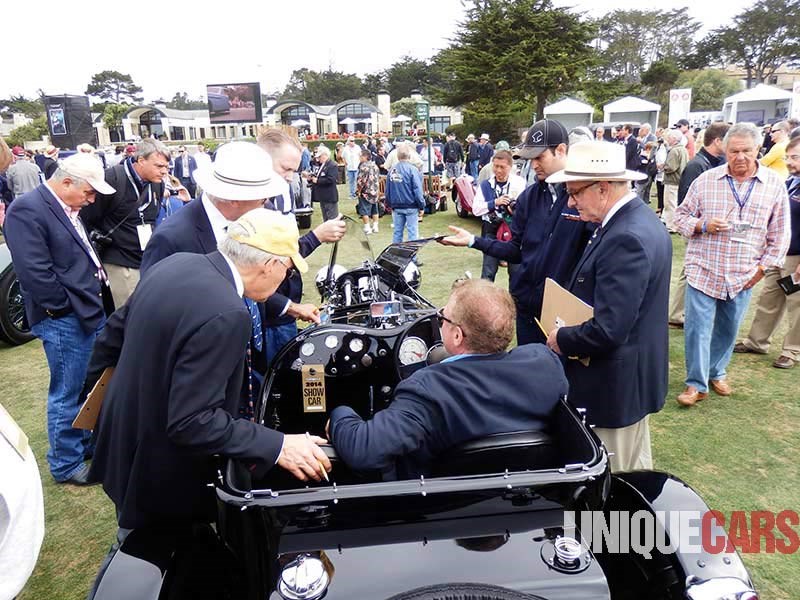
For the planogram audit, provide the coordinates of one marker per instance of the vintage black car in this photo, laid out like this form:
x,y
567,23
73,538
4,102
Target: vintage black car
x,y
14,329
490,524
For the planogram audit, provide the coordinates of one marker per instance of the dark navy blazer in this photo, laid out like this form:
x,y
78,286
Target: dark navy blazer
x,y
177,170
173,400
189,230
450,403
52,262
624,274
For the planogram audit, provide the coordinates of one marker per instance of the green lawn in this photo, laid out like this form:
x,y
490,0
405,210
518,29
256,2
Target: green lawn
x,y
740,453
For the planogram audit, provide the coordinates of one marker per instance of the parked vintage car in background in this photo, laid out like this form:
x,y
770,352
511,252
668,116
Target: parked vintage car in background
x,y
489,524
14,328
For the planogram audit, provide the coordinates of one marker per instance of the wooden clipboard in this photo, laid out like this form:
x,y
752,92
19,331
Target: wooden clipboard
x,y
87,415
562,308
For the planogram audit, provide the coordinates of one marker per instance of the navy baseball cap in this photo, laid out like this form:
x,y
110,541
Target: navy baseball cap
x,y
544,134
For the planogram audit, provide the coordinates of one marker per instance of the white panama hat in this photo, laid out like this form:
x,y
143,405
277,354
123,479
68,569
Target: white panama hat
x,y
241,171
595,161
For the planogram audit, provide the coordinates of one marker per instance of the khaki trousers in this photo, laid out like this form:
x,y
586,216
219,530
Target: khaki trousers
x,y
670,204
123,281
677,305
772,304
630,445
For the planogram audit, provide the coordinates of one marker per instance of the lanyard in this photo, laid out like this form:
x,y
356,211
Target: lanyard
x,y
741,202
499,188
142,207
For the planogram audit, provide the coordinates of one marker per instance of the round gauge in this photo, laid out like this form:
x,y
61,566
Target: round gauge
x,y
412,350
307,349
356,345
331,341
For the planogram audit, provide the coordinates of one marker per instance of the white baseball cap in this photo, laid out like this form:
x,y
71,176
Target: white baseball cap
x,y
88,167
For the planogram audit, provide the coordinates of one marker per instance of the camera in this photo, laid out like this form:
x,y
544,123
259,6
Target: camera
x,y
100,239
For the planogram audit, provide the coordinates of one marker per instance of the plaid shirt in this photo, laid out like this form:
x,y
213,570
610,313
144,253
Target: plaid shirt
x,y
715,264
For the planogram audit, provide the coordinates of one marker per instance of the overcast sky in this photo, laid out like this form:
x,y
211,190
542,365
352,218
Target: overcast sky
x,y
174,46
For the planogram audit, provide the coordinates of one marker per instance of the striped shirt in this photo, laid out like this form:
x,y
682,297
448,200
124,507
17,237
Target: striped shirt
x,y
716,264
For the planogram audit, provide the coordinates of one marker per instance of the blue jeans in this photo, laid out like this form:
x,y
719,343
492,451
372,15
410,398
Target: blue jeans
x,y
408,218
472,168
710,328
351,182
68,348
277,337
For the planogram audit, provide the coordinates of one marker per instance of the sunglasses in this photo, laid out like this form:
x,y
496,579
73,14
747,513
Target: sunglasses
x,y
441,318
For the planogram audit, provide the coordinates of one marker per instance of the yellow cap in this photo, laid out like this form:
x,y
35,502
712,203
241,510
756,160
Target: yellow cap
x,y
273,233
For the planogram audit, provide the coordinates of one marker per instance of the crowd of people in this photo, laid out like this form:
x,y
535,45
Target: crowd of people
x,y
107,258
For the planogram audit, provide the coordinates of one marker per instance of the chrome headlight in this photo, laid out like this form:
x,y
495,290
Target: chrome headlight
x,y
412,275
322,277
719,588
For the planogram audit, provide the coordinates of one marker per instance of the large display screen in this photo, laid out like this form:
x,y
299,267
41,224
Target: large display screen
x,y
234,102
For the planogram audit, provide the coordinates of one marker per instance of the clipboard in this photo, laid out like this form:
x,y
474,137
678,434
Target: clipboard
x,y
87,415
562,308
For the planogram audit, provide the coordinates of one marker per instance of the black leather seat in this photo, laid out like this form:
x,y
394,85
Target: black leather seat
x,y
515,451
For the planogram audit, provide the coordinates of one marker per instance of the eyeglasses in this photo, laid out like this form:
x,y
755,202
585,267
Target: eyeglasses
x,y
579,191
440,316
290,268
792,157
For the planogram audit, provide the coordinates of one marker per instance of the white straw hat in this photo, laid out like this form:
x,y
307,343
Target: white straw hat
x,y
241,171
595,161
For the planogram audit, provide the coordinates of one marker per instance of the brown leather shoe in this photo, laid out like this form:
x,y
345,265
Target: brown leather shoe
x,y
743,348
721,387
690,396
783,362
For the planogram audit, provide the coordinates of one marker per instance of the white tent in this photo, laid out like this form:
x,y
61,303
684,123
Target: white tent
x,y
630,109
348,121
401,118
570,112
760,104
299,123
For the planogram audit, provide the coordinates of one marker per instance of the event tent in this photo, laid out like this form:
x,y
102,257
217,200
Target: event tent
x,y
631,109
570,112
760,104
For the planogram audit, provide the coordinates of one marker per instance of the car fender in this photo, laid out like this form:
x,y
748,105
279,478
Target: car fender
x,y
662,494
154,563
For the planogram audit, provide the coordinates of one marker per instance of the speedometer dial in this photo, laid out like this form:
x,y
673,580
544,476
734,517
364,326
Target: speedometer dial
x,y
412,350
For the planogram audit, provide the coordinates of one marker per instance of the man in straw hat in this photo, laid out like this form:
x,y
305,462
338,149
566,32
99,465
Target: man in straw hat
x,y
624,274
179,350
63,283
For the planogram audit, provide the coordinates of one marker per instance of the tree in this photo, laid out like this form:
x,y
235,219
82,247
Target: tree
x,y
660,77
373,83
114,86
761,39
598,93
322,87
181,101
32,132
710,87
632,40
404,106
113,113
511,56
21,104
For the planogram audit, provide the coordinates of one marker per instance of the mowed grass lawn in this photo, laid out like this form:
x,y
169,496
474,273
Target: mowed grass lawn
x,y
740,453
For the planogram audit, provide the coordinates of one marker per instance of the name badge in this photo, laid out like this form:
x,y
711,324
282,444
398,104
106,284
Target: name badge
x,y
739,231
144,231
313,388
